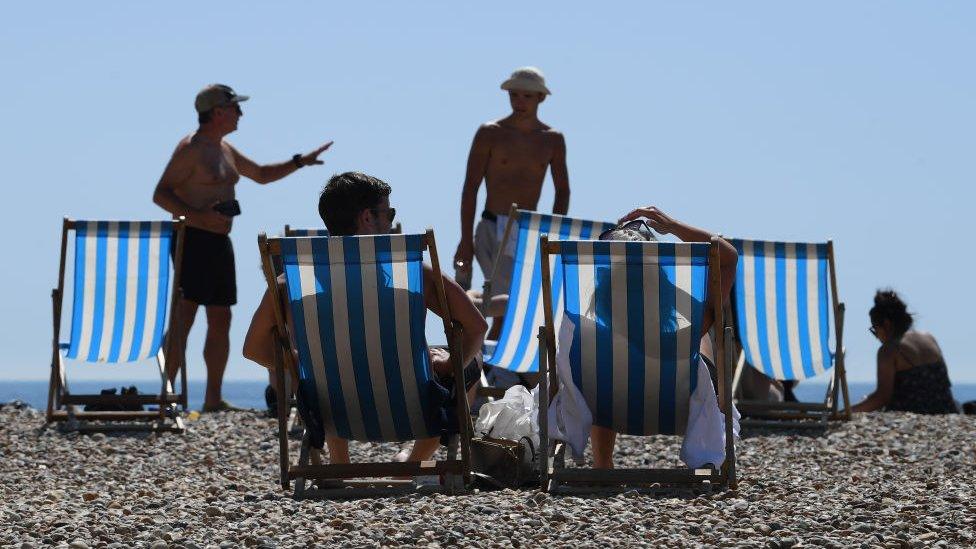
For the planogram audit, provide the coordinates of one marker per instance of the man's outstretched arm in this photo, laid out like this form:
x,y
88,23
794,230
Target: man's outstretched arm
x,y
474,174
268,173
560,178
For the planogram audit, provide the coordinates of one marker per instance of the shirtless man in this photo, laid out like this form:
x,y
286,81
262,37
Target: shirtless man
x,y
200,175
512,156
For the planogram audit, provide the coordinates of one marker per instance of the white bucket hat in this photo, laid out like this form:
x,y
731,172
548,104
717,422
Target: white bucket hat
x,y
527,79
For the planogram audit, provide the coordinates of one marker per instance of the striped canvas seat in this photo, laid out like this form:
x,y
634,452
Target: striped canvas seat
x,y
517,348
782,308
122,286
637,310
121,289
357,306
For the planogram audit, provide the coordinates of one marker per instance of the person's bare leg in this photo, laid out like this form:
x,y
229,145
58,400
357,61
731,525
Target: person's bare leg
x,y
188,311
424,449
338,449
215,352
603,440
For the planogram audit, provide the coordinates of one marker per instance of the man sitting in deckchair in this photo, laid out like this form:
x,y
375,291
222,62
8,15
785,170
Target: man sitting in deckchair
x,y
351,204
631,228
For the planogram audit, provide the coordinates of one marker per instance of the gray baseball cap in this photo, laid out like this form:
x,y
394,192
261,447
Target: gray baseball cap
x,y
217,95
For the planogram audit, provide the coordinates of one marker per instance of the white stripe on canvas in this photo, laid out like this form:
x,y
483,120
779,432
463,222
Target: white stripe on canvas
x,y
813,308
152,292
111,277
88,296
652,339
401,313
587,328
310,310
792,316
684,344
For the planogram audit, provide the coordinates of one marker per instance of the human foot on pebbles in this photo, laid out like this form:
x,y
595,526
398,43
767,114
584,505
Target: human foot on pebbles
x,y
882,480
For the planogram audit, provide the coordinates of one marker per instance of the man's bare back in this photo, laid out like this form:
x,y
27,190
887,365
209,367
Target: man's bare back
x,y
517,163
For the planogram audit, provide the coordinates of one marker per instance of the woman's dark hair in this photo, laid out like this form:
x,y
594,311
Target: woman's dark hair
x,y
345,196
888,306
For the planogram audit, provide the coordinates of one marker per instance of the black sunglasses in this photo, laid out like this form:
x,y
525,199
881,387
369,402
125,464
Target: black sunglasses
x,y
874,331
638,225
390,212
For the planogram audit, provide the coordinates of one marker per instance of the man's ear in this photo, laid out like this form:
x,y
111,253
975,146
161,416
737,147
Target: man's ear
x,y
364,219
542,97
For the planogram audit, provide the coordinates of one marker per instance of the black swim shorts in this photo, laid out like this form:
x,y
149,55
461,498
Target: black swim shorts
x,y
208,276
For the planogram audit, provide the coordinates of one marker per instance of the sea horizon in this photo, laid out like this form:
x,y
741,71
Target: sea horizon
x,y
249,393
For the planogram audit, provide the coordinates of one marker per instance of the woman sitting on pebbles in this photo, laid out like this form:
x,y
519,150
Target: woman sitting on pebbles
x,y
912,375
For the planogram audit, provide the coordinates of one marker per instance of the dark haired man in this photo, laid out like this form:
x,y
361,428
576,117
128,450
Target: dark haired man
x,y
354,203
198,183
511,155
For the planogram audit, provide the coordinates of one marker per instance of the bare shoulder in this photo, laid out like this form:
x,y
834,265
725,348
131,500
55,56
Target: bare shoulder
x,y
553,135
489,130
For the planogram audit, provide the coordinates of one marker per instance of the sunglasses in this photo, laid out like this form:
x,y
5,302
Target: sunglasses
x,y
874,331
638,225
236,106
390,212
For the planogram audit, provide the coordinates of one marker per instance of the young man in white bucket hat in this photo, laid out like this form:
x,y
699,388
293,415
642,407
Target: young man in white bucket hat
x,y
511,155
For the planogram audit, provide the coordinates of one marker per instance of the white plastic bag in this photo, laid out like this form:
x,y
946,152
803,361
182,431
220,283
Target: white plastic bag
x,y
511,417
704,440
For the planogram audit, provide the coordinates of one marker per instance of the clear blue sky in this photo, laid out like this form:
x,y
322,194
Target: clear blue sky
x,y
775,120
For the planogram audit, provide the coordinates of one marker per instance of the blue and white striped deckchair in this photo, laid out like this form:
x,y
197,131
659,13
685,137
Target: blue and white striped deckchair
x,y
517,348
782,316
637,310
357,319
121,292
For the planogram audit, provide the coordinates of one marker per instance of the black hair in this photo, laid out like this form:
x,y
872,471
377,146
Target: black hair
x,y
205,116
345,196
888,306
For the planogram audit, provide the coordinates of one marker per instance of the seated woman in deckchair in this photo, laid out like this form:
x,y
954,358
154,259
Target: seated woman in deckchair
x,y
912,375
603,439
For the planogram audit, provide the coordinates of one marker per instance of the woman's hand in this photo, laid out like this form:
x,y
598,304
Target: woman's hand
x,y
440,361
658,220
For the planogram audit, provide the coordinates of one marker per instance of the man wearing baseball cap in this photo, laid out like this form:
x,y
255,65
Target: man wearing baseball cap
x,y
198,183
512,156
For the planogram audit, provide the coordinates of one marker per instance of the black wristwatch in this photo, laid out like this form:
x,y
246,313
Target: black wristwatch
x,y
297,160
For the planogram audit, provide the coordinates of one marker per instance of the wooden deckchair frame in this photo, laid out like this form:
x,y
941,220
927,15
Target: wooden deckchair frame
x,y
455,472
62,404
555,477
757,413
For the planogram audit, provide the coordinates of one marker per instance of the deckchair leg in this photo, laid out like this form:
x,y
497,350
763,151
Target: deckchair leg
x,y
543,412
740,364
303,460
729,464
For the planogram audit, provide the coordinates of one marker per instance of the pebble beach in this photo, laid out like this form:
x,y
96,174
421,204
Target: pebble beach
x,y
881,480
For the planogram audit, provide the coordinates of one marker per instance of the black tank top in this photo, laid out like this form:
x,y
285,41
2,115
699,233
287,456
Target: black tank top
x,y
923,389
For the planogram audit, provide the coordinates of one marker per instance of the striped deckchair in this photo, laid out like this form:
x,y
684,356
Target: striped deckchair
x,y
637,310
357,318
517,347
782,319
120,295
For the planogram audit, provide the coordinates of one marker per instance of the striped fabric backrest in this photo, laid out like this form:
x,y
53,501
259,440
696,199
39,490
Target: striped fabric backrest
x,y
781,307
291,231
518,349
121,290
357,307
637,310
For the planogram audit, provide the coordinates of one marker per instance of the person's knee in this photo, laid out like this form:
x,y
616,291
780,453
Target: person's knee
x,y
218,320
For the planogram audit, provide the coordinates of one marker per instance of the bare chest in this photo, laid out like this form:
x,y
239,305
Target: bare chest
x,y
513,151
216,167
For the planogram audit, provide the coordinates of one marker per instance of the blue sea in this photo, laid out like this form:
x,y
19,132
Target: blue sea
x,y
250,394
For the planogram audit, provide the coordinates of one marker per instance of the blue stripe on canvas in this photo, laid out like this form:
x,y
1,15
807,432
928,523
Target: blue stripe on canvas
x,y
699,291
741,322
669,342
602,292
418,339
782,324
139,327
761,322
357,336
636,345
77,310
572,306
327,338
98,312
388,345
